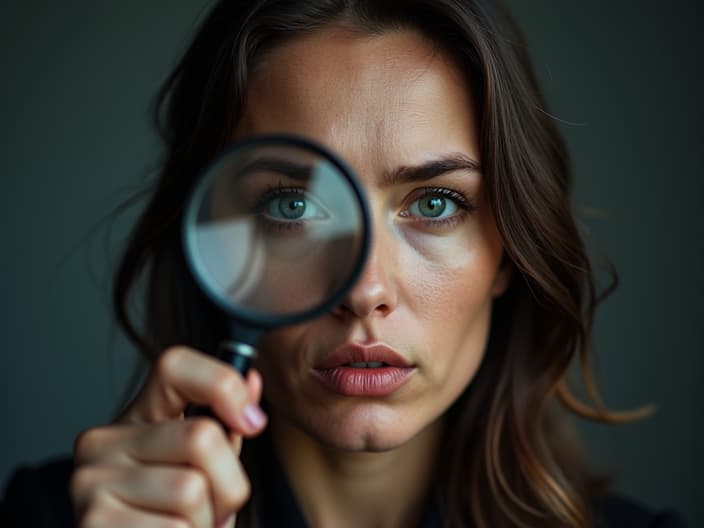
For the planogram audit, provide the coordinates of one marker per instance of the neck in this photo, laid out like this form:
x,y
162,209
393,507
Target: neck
x,y
350,489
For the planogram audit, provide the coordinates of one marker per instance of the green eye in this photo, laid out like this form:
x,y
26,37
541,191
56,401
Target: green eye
x,y
289,207
293,206
433,206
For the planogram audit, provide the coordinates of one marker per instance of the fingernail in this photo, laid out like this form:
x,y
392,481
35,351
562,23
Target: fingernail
x,y
225,523
254,416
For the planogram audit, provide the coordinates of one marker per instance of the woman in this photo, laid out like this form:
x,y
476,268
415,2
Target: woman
x,y
477,287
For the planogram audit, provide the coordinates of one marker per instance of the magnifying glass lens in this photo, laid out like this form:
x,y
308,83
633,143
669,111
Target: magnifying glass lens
x,y
276,230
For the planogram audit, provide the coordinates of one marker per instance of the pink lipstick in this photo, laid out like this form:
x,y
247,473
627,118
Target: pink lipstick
x,y
363,370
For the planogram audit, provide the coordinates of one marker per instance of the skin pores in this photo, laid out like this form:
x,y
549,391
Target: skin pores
x,y
386,103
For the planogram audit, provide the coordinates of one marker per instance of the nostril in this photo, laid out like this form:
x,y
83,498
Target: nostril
x,y
382,309
359,309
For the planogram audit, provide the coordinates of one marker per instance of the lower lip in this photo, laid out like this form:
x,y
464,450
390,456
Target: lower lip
x,y
349,381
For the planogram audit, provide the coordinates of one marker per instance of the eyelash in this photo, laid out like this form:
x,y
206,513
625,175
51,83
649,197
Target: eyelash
x,y
274,192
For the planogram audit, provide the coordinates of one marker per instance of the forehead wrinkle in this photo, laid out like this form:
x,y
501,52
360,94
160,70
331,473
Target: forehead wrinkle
x,y
403,115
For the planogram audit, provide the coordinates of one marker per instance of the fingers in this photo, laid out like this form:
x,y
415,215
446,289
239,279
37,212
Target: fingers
x,y
154,467
254,385
183,376
197,443
158,496
113,514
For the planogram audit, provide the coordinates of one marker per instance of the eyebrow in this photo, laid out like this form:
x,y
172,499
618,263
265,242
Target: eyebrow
x,y
431,169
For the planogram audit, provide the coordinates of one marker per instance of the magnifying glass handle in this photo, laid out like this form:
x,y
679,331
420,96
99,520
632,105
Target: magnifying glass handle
x,y
237,354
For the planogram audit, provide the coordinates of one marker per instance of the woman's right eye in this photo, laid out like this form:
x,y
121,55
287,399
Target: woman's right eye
x,y
288,206
291,208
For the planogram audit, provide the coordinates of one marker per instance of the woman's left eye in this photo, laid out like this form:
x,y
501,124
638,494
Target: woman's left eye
x,y
437,206
433,205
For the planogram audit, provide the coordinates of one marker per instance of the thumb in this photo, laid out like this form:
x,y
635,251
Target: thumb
x,y
255,386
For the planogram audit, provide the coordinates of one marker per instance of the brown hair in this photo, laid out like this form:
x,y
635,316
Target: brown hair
x,y
506,461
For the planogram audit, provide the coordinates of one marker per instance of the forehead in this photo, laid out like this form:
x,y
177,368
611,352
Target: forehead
x,y
385,97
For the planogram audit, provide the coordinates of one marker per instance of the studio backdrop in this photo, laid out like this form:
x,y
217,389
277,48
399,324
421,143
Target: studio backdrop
x,y
623,80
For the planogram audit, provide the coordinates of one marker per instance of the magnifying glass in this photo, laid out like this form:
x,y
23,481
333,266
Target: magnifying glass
x,y
275,232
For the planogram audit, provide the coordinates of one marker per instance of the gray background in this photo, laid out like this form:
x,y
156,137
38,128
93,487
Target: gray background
x,y
623,78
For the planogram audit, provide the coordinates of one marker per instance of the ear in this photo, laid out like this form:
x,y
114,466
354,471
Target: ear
x,y
502,279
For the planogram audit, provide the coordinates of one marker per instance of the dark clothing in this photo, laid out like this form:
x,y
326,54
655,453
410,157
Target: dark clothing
x,y
39,498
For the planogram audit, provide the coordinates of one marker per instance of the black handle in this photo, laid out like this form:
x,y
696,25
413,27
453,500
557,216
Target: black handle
x,y
238,355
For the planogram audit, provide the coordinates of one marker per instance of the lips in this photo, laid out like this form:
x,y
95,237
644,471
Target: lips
x,y
353,353
357,370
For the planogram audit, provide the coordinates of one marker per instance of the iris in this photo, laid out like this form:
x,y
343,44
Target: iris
x,y
432,206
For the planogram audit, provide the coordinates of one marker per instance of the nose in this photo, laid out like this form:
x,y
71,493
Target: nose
x,y
374,294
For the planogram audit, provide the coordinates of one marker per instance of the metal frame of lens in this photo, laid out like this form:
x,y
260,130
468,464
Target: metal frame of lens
x,y
250,317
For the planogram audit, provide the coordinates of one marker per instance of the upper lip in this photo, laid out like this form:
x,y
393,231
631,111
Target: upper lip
x,y
358,353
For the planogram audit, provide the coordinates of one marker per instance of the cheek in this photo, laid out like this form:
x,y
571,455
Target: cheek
x,y
279,356
286,356
453,312
449,277
447,283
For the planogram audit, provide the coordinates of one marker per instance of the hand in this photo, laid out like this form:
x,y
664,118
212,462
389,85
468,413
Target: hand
x,y
155,468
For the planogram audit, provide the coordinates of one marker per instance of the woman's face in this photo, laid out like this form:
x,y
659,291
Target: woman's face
x,y
402,115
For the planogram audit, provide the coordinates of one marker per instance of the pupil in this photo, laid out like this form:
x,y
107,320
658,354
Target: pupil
x,y
433,206
293,208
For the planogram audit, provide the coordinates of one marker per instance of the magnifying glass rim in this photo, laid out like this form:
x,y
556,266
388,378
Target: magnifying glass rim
x,y
251,317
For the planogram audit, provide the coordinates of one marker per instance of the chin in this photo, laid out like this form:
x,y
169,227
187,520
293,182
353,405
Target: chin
x,y
365,428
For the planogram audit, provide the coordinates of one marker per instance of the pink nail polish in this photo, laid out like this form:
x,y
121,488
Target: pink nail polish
x,y
254,416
